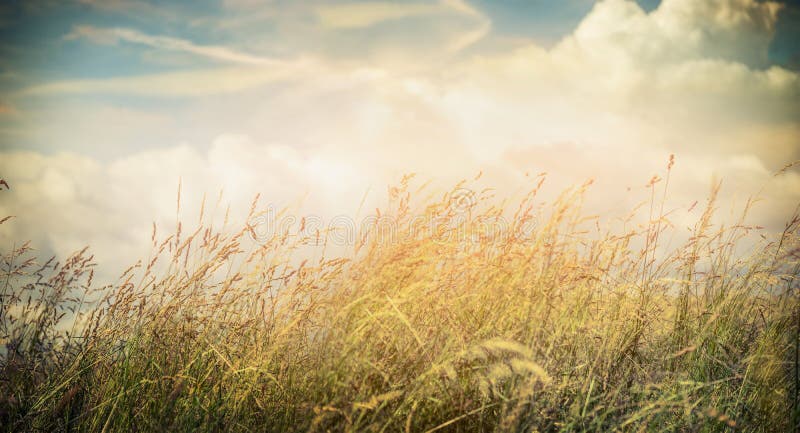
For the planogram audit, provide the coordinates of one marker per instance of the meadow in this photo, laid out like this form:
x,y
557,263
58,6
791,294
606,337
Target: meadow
x,y
583,324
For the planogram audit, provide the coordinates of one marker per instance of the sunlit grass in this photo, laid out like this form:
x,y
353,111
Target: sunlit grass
x,y
576,326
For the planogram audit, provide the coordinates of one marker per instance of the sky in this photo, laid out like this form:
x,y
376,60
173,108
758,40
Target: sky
x,y
105,105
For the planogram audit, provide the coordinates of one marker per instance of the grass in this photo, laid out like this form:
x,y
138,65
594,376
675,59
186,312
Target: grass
x,y
574,327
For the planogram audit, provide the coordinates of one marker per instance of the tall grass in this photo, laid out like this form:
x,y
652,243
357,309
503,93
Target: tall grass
x,y
571,327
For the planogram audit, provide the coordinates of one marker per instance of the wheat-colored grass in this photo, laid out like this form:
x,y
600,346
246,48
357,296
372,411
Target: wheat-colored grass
x,y
575,327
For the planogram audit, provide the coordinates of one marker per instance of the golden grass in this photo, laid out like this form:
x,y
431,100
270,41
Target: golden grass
x,y
575,327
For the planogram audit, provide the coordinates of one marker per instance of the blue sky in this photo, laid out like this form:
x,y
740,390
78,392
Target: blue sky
x,y
34,48
39,44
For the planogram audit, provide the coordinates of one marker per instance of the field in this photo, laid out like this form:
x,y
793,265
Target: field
x,y
565,322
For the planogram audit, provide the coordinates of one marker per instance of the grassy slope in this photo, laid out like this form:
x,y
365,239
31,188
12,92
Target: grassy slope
x,y
568,329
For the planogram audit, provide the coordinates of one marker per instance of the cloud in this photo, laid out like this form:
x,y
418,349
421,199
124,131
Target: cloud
x,y
364,14
732,30
369,32
77,128
219,53
359,15
139,10
250,71
626,77
64,201
173,84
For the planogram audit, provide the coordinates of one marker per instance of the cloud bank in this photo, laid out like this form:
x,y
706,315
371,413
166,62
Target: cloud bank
x,y
610,101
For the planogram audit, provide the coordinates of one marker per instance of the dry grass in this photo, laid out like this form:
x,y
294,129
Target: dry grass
x,y
573,328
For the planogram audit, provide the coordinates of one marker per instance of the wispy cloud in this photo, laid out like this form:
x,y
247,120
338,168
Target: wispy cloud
x,y
359,15
173,84
345,16
214,52
466,39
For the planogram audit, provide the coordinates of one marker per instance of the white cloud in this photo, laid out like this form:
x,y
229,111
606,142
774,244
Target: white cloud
x,y
625,77
735,30
65,201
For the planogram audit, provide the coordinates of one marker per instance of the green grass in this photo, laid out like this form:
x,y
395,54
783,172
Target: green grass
x,y
575,328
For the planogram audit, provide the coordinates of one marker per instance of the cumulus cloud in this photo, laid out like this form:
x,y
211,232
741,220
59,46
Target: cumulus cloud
x,y
735,30
63,202
629,78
